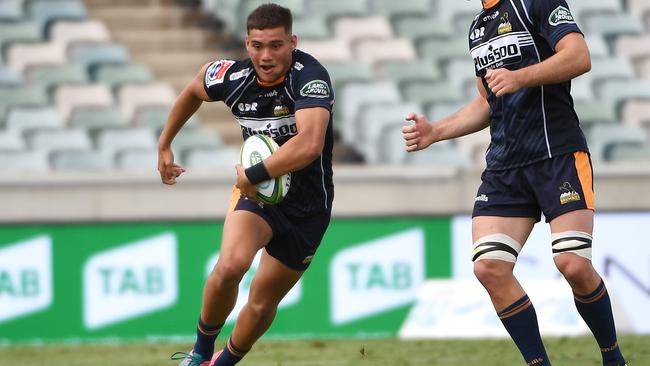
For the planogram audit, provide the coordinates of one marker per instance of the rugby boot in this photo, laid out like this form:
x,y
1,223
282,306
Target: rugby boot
x,y
190,359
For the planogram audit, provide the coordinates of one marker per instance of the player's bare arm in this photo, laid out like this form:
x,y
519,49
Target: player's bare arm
x,y
296,153
570,60
187,103
473,117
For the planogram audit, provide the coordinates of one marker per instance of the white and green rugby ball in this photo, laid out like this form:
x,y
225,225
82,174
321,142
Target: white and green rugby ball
x,y
256,149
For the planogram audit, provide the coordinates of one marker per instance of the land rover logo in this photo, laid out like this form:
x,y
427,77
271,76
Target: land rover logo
x,y
561,15
315,89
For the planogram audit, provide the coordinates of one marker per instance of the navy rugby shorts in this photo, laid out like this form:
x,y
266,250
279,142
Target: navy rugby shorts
x,y
295,240
552,186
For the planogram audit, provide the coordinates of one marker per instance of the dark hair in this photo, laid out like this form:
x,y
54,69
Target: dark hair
x,y
268,16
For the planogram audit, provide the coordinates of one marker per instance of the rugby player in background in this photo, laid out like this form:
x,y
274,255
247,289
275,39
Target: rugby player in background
x,y
286,94
525,53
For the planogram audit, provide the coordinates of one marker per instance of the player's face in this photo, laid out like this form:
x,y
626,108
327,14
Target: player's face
x,y
271,51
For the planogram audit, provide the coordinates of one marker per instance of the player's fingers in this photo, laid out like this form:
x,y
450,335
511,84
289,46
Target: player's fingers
x,y
408,128
411,136
410,116
411,148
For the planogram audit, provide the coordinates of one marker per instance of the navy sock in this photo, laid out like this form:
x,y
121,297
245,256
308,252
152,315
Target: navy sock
x,y
205,337
231,355
596,310
520,320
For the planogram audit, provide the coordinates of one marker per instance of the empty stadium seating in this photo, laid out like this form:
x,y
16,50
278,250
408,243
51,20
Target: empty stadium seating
x,y
62,74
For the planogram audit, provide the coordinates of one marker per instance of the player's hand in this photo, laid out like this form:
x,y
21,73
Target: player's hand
x,y
418,135
246,188
168,170
503,81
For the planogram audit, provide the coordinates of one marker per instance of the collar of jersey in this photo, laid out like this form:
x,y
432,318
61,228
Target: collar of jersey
x,y
490,4
272,83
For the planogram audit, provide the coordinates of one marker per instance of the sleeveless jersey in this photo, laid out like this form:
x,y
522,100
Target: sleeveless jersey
x,y
535,123
270,110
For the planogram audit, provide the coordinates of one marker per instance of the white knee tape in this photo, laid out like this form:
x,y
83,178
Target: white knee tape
x,y
576,242
496,246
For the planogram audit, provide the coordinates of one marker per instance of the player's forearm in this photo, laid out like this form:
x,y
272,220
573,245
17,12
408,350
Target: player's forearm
x,y
185,106
295,154
473,117
569,62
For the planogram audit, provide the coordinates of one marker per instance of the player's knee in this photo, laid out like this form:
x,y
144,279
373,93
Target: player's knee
x,y
492,272
229,272
574,268
263,308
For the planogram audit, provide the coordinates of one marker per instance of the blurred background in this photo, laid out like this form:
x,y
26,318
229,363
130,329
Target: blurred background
x,y
92,244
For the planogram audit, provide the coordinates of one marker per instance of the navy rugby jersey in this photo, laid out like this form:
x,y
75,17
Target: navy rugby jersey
x,y
270,110
535,123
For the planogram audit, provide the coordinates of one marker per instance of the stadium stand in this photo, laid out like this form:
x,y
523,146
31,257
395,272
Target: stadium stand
x,y
98,68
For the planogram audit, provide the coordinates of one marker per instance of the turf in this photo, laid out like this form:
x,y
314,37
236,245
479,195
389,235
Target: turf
x,y
580,351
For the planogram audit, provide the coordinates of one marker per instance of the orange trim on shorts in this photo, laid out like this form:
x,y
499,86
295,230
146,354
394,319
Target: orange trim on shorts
x,y
583,167
490,4
236,193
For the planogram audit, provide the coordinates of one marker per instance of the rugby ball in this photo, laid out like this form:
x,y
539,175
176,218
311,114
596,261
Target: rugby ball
x,y
256,149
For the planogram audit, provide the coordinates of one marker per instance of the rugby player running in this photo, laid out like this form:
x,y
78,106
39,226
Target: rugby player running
x,y
286,94
525,53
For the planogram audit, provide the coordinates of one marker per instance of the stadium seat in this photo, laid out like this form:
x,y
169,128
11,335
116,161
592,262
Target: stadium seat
x,y
373,120
26,95
19,31
633,47
24,161
460,13
69,97
347,72
620,90
595,111
56,140
11,140
155,117
11,10
313,27
460,72
582,8
81,161
602,139
356,29
114,140
52,76
611,68
67,32
354,95
202,159
418,27
9,77
20,56
133,97
431,92
328,50
116,75
597,45
95,118
47,11
638,7
337,8
197,138
93,54
636,112
630,153
393,9
612,25
134,160
644,68
439,154
442,49
21,119
439,110
373,51
404,71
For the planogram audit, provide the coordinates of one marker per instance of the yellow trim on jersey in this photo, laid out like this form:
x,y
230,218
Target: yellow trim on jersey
x,y
272,83
583,167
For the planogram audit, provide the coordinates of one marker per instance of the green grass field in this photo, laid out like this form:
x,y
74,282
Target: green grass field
x,y
580,351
